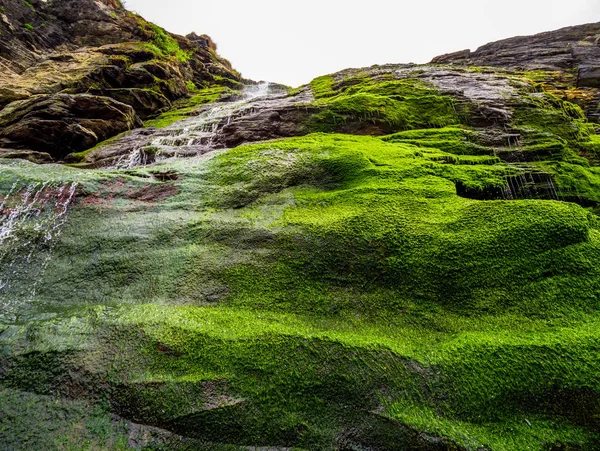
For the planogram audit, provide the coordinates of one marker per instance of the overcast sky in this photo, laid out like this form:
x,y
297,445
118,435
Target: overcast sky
x,y
292,42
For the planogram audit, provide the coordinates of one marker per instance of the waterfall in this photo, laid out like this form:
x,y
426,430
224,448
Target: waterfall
x,y
196,135
31,220
530,183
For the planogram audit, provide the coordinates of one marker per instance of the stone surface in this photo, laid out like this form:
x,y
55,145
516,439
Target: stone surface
x,y
29,155
569,56
99,48
589,76
63,123
562,49
276,115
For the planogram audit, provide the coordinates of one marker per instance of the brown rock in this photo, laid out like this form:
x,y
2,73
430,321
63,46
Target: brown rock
x,y
63,123
30,155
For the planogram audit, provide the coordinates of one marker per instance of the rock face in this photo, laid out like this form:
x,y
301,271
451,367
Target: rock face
x,y
248,117
570,56
60,124
395,258
98,48
564,49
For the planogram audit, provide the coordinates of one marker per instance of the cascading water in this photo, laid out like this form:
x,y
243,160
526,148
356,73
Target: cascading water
x,y
31,220
195,136
530,183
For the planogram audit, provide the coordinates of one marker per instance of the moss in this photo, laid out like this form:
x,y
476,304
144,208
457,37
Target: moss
x,y
391,105
323,292
77,157
184,108
294,91
28,26
318,290
191,86
322,87
545,115
454,140
163,43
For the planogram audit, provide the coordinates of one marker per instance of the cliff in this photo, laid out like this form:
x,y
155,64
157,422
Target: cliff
x,y
76,73
400,257
566,60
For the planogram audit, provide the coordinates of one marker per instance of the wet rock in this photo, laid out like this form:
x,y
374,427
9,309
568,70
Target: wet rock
x,y
570,57
91,22
8,95
248,118
589,76
267,124
562,49
62,123
29,155
145,101
97,47
203,41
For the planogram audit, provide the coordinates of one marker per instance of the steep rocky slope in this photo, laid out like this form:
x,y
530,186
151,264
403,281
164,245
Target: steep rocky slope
x,y
392,258
566,60
76,73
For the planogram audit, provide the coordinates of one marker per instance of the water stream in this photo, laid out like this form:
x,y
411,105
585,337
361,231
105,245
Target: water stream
x,y
196,135
530,183
31,220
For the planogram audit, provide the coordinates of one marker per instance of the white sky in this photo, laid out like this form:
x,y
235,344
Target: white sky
x,y
292,42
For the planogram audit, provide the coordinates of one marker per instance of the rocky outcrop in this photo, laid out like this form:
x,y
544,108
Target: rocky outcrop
x,y
98,48
241,119
570,57
63,123
564,49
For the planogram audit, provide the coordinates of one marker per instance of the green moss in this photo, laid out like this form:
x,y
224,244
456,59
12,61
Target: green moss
x,y
391,105
184,108
454,140
323,87
323,292
592,146
545,116
163,43
28,26
294,91
191,86
79,156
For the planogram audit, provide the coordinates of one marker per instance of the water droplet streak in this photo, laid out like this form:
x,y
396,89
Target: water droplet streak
x,y
31,221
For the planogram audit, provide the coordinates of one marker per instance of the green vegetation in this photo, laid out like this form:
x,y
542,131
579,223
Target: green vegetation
x,y
330,291
191,86
187,107
29,5
28,26
322,87
454,140
162,43
363,104
298,285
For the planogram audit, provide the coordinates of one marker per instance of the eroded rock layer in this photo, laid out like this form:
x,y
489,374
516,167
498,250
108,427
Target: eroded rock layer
x,y
96,48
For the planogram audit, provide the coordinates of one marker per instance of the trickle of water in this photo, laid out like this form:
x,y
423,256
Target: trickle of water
x,y
31,220
196,135
530,183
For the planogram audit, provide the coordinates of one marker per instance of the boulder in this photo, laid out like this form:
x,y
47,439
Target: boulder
x,y
63,123
29,155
